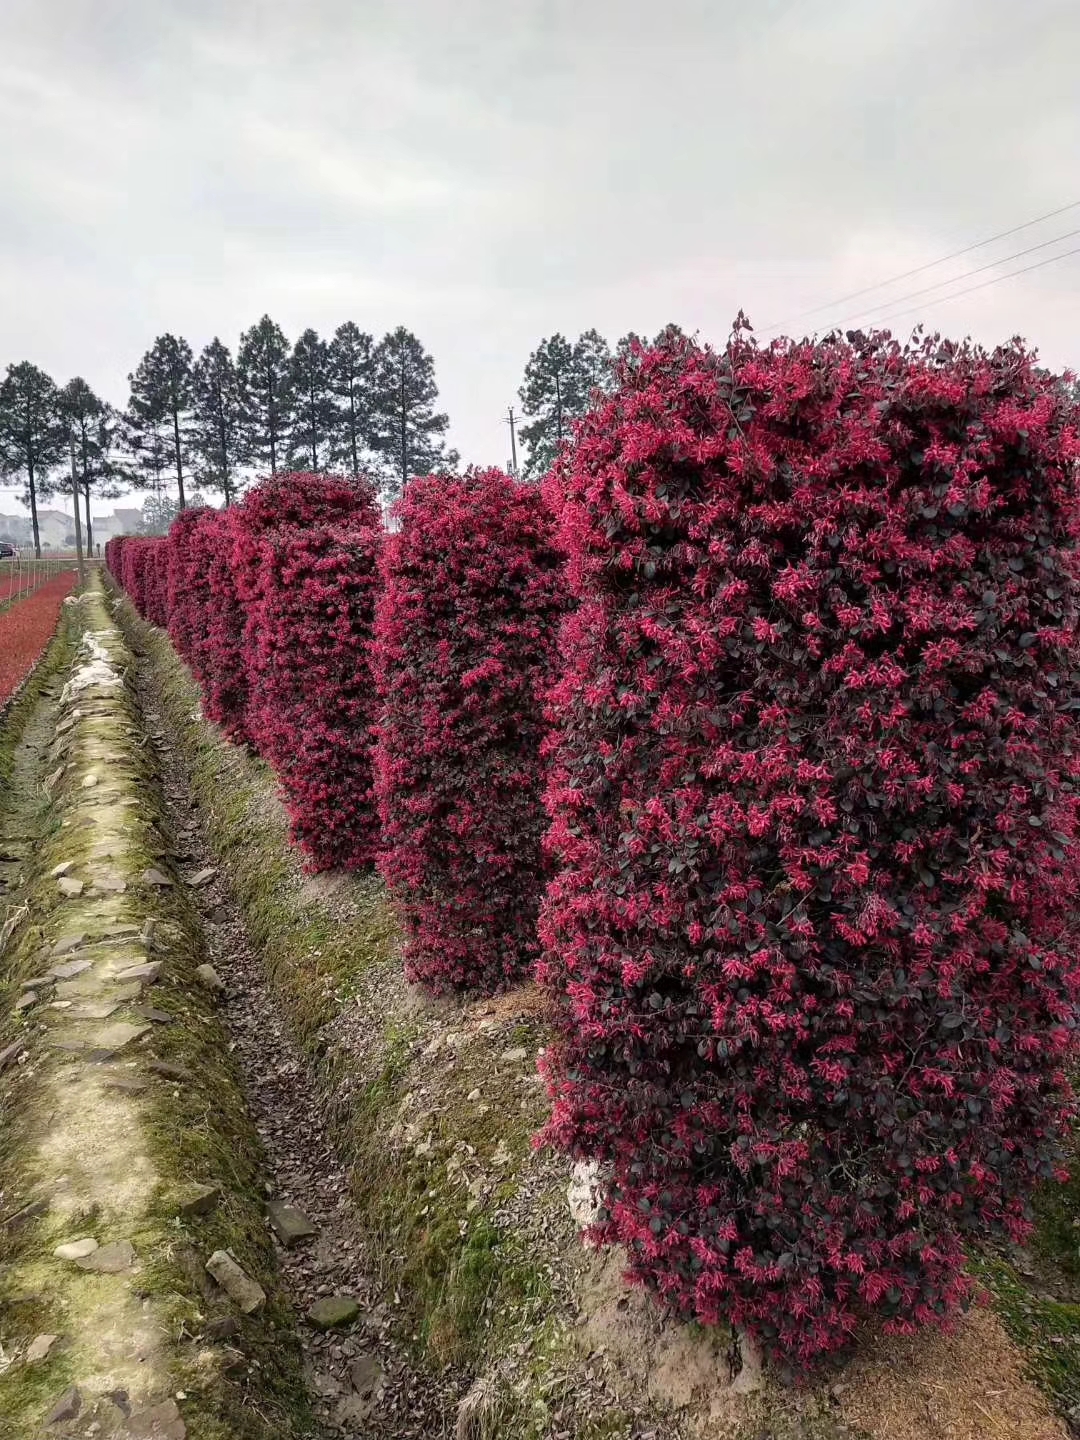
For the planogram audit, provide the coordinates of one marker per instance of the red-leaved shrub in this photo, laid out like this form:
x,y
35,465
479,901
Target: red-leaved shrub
x,y
188,581
311,701
290,500
465,639
813,945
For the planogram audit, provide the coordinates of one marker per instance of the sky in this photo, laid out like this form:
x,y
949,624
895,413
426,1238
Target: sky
x,y
488,173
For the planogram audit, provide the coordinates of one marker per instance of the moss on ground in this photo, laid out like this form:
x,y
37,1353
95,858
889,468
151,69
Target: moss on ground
x,y
458,1275
192,1129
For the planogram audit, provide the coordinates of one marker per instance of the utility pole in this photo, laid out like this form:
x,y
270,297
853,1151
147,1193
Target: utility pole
x,y
511,421
78,522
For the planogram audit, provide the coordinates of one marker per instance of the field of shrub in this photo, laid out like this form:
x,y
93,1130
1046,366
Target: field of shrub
x,y
782,658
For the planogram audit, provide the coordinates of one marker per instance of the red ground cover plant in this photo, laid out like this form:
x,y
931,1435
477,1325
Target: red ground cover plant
x,y
27,626
813,946
311,703
466,627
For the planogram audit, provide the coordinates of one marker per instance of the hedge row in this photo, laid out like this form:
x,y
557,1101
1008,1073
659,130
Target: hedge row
x,y
273,603
812,781
812,939
465,642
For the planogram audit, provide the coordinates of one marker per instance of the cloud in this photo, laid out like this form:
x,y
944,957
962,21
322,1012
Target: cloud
x,y
487,174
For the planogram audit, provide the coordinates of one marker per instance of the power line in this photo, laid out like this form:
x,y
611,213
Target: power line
x,y
967,275
920,269
994,280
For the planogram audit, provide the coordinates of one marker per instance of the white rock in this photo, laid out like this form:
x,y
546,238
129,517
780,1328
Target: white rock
x,y
76,1249
585,1194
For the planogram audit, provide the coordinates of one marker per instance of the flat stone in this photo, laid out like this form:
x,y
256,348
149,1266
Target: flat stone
x,y
158,1422
39,1348
39,982
66,1408
245,1292
9,1055
95,1009
153,876
289,1224
119,1035
76,1249
70,970
114,884
67,943
65,725
69,887
203,877
333,1312
147,1012
198,1200
147,972
26,1001
54,779
110,1259
89,781
473,1096
63,869
515,1055
168,1071
367,1375
127,1084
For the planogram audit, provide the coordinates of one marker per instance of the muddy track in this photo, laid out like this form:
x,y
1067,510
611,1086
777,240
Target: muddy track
x,y
361,1379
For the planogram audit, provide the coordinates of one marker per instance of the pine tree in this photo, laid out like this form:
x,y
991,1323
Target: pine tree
x,y
33,438
313,402
216,429
160,402
92,425
262,366
560,379
407,429
147,455
352,384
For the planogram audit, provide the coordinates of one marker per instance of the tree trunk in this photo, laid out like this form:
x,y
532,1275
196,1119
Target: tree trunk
x,y
352,429
226,487
404,432
33,496
86,487
558,409
314,435
271,420
179,457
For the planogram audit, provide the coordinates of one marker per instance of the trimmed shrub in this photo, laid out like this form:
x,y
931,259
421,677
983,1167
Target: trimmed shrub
x,y
156,581
465,638
297,500
188,582
137,559
813,946
311,703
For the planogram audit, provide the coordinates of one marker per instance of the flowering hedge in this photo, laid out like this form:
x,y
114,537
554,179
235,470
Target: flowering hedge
x,y
290,500
311,702
187,579
465,639
813,947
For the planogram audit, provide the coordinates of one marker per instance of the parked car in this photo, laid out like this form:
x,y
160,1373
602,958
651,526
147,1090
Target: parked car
x,y
8,551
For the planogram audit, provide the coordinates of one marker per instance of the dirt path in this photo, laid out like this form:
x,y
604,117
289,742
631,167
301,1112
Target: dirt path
x,y
362,1380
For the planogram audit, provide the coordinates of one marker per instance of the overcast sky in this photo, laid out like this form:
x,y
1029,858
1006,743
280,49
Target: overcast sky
x,y
488,172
